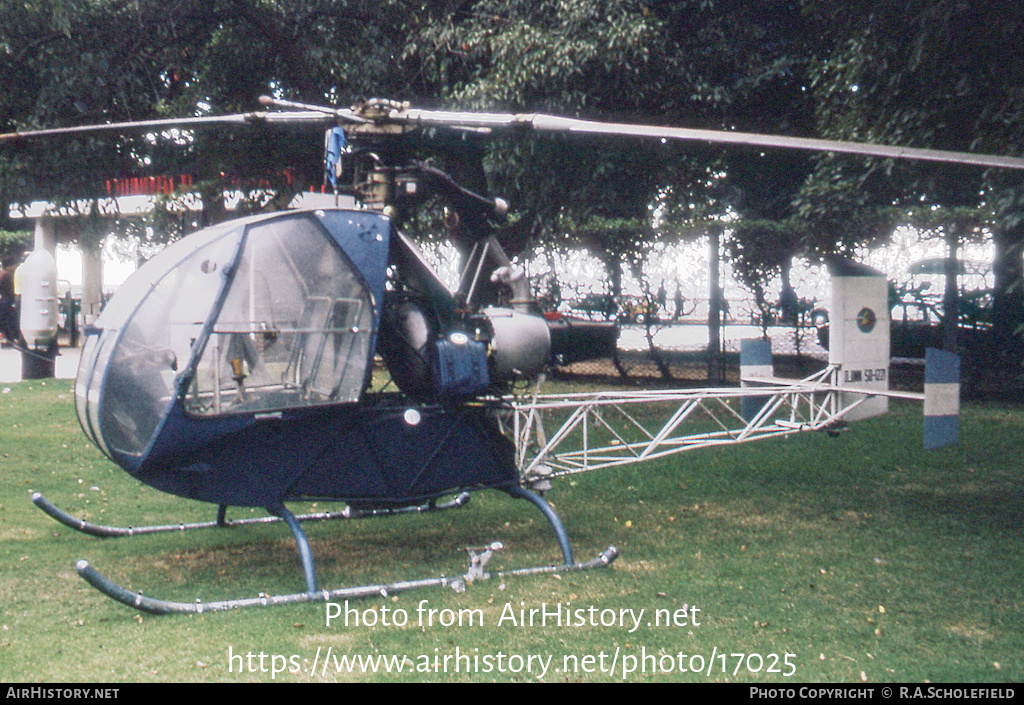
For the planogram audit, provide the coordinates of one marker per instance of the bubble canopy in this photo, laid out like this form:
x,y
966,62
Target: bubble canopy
x,y
259,317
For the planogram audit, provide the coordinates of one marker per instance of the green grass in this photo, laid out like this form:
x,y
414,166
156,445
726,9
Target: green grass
x,y
863,556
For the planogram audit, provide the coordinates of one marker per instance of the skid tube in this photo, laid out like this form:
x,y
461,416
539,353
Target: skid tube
x,y
152,605
478,559
101,531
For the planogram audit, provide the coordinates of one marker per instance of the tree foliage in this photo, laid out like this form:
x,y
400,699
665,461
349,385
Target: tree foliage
x,y
934,73
941,74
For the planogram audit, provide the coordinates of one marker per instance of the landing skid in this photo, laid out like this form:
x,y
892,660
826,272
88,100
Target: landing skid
x,y
157,606
478,557
101,531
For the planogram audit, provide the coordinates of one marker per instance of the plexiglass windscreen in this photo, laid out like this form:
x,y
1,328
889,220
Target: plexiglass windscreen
x,y
294,329
128,371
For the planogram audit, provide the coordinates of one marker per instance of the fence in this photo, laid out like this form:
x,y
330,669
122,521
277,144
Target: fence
x,y
677,351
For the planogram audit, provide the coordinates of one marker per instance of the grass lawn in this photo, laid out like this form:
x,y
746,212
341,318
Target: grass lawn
x,y
804,559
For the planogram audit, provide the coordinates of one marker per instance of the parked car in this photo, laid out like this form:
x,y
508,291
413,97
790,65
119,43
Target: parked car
x,y
606,307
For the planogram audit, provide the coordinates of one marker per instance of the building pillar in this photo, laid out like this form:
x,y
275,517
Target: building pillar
x,y
46,234
92,283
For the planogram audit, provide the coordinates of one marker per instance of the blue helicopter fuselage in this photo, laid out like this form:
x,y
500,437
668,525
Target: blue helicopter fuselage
x,y
232,368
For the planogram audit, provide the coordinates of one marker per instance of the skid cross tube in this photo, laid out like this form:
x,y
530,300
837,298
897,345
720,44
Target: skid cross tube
x,y
556,523
305,554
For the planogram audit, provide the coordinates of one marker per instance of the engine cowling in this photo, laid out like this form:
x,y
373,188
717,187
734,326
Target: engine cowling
x,y
495,347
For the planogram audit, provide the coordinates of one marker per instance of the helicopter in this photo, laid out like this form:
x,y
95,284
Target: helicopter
x,y
235,367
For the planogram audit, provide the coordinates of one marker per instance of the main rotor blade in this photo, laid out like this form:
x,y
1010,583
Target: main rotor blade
x,y
275,117
309,114
551,123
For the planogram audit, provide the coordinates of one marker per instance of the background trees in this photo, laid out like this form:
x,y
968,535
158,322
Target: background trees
x,y
939,73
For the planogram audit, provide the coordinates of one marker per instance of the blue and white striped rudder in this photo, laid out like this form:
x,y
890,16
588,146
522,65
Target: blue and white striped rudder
x,y
941,398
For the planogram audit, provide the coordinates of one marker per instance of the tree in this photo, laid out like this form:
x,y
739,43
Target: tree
x,y
882,70
13,243
78,63
716,64
941,74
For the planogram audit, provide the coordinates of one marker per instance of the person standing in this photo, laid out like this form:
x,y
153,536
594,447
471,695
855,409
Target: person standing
x,y
9,327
